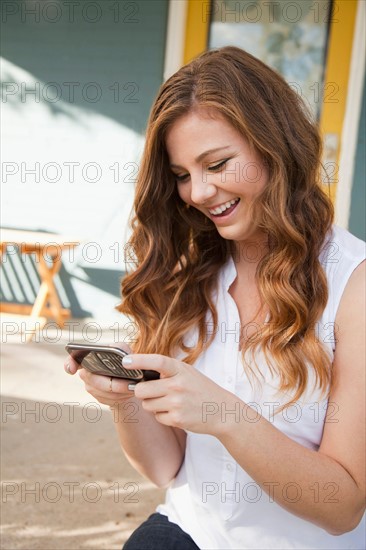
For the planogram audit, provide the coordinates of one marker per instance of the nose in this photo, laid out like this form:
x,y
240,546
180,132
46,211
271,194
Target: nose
x,y
201,189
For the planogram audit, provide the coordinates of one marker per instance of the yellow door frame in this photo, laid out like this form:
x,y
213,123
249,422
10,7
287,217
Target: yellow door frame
x,y
337,70
197,28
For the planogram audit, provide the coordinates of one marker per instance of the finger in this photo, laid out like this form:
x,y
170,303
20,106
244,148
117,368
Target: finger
x,y
156,406
150,389
71,366
103,383
166,366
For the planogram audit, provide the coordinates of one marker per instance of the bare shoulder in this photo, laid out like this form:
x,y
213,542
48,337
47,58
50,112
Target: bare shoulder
x,y
344,432
353,300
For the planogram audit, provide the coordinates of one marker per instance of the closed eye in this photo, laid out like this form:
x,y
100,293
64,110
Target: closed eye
x,y
180,178
217,166
210,168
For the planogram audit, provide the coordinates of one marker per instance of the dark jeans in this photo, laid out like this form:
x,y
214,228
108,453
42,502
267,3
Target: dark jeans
x,y
158,533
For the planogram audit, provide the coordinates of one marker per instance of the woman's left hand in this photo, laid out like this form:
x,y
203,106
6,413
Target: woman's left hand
x,y
182,397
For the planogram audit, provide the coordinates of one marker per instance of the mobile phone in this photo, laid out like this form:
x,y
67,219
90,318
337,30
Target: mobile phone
x,y
107,361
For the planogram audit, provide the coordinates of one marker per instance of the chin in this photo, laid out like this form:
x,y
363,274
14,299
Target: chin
x,y
233,232
229,235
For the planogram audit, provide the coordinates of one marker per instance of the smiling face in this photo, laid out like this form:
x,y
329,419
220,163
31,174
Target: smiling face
x,y
217,172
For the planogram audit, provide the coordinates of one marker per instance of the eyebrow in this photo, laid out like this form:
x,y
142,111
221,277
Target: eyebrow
x,y
203,155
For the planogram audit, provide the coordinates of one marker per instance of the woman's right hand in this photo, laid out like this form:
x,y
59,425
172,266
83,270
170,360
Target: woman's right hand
x,y
110,391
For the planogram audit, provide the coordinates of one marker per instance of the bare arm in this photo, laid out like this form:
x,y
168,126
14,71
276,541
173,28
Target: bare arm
x,y
338,467
154,450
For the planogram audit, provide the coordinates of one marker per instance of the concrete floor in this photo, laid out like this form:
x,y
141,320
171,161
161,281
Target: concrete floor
x,y
65,481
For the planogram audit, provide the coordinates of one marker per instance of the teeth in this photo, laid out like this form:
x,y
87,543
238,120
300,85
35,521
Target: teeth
x,y
220,209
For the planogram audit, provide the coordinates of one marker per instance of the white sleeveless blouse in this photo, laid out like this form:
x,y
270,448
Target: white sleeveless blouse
x,y
212,498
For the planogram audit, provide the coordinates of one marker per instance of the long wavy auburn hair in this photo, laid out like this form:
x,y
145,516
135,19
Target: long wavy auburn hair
x,y
178,252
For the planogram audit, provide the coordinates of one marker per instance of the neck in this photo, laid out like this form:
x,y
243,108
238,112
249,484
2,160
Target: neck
x,y
248,254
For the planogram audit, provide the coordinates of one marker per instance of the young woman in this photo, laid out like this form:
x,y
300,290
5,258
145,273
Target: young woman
x,y
250,303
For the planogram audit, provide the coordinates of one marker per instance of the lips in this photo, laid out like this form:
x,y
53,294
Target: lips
x,y
224,208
